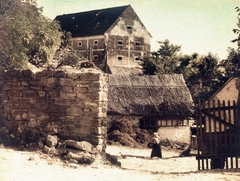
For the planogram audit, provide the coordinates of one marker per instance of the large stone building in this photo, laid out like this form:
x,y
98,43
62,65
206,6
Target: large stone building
x,y
111,38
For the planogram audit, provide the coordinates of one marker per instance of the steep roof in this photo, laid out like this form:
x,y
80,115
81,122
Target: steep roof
x,y
125,70
160,96
89,23
220,89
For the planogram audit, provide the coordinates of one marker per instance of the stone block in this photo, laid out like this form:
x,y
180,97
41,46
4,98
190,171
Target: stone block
x,y
59,74
41,93
12,81
71,111
67,89
80,145
51,141
102,114
33,123
6,87
90,76
65,95
30,93
95,84
56,108
14,93
26,106
40,145
51,81
67,82
46,149
99,148
103,97
81,89
44,73
99,130
12,72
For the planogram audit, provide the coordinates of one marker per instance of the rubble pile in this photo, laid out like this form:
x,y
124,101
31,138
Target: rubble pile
x,y
81,152
124,133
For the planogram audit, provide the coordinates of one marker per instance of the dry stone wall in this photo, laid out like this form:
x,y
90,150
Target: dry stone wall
x,y
69,105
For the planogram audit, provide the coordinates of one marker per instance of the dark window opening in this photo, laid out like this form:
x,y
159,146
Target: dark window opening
x,y
79,43
95,57
137,44
120,58
137,59
120,42
129,27
95,42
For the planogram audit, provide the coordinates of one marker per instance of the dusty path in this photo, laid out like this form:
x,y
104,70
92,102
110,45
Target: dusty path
x,y
29,166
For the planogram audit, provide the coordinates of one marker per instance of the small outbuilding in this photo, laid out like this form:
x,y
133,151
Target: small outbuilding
x,y
159,101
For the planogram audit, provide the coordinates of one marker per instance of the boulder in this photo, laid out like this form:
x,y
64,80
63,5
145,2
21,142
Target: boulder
x,y
80,157
40,144
80,145
46,149
54,151
51,141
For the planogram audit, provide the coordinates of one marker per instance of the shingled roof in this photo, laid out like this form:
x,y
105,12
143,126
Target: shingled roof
x,y
155,96
89,23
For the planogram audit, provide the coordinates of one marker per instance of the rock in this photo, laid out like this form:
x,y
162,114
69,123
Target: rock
x,y
51,141
40,144
80,145
54,151
81,157
46,149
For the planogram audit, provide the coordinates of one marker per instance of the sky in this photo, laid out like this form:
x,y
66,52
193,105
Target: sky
x,y
201,26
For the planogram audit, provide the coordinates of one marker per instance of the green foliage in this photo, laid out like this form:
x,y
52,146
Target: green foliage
x,y
162,61
66,55
26,35
237,30
204,75
229,66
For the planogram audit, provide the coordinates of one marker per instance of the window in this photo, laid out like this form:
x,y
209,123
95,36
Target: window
x,y
95,42
95,57
129,27
137,44
120,58
79,44
137,59
120,43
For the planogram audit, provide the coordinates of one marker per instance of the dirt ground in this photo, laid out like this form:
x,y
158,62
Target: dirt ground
x,y
37,166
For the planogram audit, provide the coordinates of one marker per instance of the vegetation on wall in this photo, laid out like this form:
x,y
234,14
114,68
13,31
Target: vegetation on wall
x,y
26,36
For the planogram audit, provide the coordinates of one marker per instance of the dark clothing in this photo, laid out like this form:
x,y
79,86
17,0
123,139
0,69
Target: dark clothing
x,y
156,151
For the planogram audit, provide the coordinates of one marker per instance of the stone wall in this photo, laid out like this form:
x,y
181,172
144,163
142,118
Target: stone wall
x,y
69,105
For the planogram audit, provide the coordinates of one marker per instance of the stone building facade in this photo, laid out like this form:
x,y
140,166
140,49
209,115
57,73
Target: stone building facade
x,y
108,37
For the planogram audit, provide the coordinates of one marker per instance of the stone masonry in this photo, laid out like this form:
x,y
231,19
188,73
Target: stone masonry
x,y
71,105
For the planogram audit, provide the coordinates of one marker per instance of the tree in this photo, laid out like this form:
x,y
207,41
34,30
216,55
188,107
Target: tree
x,y
229,66
237,30
26,35
203,76
163,61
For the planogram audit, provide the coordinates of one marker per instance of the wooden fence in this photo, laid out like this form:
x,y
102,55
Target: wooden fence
x,y
218,135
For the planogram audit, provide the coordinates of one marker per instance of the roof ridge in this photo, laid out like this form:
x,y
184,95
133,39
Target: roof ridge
x,y
87,11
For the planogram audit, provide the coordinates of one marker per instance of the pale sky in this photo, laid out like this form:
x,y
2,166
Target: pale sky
x,y
200,26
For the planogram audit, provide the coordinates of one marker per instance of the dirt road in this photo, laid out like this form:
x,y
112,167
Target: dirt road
x,y
29,166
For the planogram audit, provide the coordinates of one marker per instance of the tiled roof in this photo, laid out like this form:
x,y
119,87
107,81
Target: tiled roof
x,y
89,23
